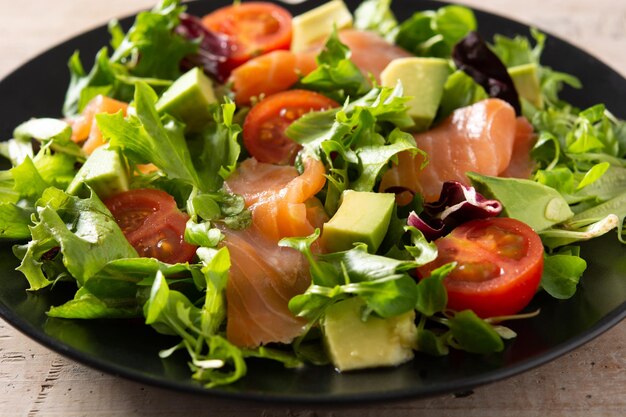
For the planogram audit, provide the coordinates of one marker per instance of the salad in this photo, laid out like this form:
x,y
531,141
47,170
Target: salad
x,y
333,188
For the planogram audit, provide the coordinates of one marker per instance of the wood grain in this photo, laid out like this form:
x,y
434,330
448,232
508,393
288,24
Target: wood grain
x,y
34,381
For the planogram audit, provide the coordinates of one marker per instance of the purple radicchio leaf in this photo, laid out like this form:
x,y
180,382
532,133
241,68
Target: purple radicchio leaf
x,y
457,204
214,48
472,55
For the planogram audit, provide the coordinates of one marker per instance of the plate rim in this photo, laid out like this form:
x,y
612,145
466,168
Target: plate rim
x,y
607,322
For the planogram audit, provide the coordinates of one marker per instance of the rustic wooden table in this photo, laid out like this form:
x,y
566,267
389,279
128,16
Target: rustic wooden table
x,y
591,381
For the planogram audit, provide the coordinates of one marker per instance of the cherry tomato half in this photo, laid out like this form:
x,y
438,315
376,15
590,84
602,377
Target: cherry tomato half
x,y
253,29
265,125
153,224
499,266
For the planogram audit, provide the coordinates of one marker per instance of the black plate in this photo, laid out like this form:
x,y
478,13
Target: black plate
x,y
130,349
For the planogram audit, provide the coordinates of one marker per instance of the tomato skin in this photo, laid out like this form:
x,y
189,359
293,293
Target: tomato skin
x,y
152,224
264,128
499,266
253,28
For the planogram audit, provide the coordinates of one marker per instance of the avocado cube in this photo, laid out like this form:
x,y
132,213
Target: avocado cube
x,y
423,80
104,171
526,81
361,217
318,24
188,99
352,343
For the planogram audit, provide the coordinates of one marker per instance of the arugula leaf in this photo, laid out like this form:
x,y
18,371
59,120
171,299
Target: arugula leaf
x,y
85,86
434,33
460,90
374,158
335,74
216,268
561,273
428,342
360,142
535,204
220,148
376,15
380,281
150,52
87,306
214,361
432,296
473,334
147,138
151,48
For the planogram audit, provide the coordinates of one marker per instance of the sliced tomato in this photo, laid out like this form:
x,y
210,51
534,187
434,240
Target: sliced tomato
x,y
265,125
499,266
153,224
253,29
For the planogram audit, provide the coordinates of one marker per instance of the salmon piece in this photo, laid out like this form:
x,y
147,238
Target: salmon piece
x,y
278,195
264,277
370,52
269,74
279,70
521,165
478,138
83,127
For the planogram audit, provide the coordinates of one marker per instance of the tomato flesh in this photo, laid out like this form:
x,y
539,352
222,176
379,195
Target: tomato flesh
x,y
253,28
499,266
264,128
153,224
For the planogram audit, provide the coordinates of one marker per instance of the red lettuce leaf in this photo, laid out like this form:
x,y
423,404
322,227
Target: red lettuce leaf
x,y
457,204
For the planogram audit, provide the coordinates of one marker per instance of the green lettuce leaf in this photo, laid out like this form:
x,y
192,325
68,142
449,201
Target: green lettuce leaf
x,y
434,33
376,15
149,52
83,229
335,74
146,138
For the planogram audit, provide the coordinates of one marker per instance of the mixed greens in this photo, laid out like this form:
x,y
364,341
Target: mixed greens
x,y
71,239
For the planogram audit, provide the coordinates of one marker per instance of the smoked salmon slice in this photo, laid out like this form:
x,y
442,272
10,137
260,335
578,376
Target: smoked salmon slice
x,y
277,196
264,277
370,52
269,74
83,127
279,70
479,138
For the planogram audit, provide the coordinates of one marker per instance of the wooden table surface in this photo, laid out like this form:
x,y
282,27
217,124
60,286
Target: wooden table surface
x,y
591,381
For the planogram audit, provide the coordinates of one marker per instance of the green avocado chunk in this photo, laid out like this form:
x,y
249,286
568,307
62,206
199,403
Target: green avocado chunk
x,y
362,217
318,23
526,81
535,204
188,99
104,171
423,80
352,343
